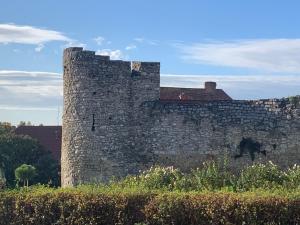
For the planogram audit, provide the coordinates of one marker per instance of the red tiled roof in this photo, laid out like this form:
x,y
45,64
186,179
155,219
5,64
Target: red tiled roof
x,y
48,136
209,93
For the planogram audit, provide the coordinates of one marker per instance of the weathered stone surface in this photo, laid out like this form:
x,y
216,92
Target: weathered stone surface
x,y
114,123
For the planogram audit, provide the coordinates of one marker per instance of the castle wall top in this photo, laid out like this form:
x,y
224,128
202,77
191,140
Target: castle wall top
x,y
77,54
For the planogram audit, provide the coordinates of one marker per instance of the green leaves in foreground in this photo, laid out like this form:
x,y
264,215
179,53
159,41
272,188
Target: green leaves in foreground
x,y
214,176
92,205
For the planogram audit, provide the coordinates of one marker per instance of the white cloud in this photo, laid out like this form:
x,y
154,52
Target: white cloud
x,y
39,48
141,40
114,54
13,108
241,86
99,40
146,41
16,50
25,89
272,55
130,47
11,33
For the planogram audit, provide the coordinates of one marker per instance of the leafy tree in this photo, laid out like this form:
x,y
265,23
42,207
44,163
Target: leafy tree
x,y
6,128
16,150
25,173
23,123
2,179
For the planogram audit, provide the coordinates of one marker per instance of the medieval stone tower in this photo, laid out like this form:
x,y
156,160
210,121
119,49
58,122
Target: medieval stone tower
x,y
117,120
100,101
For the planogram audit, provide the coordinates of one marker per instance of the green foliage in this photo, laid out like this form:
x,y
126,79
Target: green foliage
x,y
25,173
293,177
221,208
16,150
295,100
97,205
166,178
6,128
261,176
212,176
24,123
2,184
260,194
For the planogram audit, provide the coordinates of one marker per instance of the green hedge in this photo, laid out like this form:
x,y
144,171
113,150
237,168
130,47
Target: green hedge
x,y
222,209
82,207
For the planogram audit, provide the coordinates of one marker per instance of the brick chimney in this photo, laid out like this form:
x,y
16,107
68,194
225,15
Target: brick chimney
x,y
210,86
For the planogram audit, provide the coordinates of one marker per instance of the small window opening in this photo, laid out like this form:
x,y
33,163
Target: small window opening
x,y
93,125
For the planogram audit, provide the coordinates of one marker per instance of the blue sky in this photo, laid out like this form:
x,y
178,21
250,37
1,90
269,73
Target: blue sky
x,y
251,48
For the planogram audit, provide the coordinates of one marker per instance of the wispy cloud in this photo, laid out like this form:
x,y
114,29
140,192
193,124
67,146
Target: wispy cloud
x,y
23,89
16,108
270,55
146,41
114,54
99,40
11,33
130,47
39,48
17,34
241,86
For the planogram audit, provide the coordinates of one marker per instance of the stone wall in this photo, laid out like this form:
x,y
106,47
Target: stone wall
x,y
114,123
185,134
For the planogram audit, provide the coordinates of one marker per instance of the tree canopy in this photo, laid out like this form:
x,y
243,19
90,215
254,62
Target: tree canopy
x,y
16,150
25,173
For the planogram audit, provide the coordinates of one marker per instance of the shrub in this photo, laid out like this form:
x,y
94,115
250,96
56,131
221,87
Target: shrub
x,y
158,177
293,177
213,208
261,176
41,205
69,207
2,184
212,176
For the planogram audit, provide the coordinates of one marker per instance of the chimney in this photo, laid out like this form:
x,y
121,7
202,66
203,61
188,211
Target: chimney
x,y
210,86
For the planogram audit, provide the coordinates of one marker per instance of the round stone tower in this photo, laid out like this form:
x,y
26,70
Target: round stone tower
x,y
95,117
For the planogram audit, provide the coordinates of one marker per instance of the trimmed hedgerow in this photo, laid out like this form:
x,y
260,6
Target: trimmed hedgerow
x,y
212,208
259,194
70,207
89,205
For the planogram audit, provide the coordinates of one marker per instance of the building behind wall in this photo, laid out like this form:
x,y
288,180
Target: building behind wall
x,y
117,121
48,136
